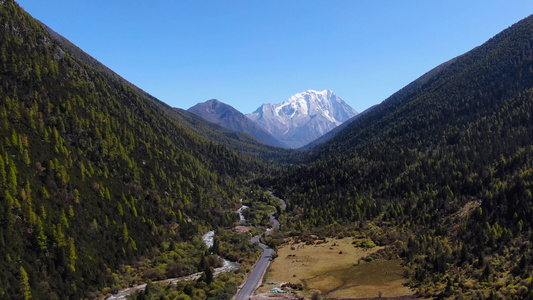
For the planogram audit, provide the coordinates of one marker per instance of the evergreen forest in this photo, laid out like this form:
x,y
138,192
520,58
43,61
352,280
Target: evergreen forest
x,y
103,186
443,168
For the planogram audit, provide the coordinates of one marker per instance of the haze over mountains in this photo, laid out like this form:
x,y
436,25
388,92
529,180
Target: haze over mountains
x,y
103,186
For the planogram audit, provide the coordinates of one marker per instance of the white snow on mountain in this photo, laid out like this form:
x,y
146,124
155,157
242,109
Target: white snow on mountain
x,y
303,117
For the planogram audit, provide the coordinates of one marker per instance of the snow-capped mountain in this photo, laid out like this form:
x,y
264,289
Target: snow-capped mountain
x,y
304,117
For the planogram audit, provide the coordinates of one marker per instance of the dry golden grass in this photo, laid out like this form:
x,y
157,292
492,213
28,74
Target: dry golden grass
x,y
333,268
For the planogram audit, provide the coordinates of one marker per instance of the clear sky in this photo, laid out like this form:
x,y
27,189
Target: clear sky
x,y
246,53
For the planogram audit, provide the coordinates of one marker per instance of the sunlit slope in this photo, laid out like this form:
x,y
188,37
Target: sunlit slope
x,y
94,173
446,162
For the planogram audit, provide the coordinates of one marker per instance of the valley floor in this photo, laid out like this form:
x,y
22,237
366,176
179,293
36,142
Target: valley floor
x,y
334,268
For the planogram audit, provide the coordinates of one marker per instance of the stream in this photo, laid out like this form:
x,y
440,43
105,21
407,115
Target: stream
x,y
228,266
208,239
242,219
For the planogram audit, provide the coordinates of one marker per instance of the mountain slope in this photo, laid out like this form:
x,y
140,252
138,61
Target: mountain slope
x,y
304,117
231,139
228,117
330,134
444,168
95,176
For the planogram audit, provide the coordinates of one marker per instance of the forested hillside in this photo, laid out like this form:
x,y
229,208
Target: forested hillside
x,y
234,140
94,175
102,185
443,168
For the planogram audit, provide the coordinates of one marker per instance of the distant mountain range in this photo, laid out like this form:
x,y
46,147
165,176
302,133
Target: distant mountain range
x,y
226,116
303,117
294,123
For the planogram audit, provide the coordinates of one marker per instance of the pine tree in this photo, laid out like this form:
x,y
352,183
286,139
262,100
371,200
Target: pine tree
x,y
24,285
12,180
2,172
42,239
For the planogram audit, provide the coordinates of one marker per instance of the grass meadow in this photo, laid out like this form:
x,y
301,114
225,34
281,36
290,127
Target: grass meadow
x,y
335,269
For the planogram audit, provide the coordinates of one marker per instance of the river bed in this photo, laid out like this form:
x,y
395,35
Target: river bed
x,y
228,266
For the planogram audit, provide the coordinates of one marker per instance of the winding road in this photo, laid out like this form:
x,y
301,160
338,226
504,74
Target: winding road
x,y
256,275
254,278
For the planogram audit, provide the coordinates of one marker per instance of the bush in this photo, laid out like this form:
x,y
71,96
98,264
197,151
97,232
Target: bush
x,y
367,243
153,274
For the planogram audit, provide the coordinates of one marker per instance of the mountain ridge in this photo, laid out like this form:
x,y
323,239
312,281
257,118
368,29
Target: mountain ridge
x,y
101,175
237,141
102,186
443,169
225,115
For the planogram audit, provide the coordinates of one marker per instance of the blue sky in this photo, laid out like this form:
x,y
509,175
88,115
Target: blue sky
x,y
246,53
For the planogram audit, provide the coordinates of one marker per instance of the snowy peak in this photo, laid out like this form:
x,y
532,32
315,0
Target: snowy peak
x,y
303,117
325,103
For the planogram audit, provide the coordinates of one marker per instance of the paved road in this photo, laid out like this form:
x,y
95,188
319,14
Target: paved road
x,y
252,282
256,275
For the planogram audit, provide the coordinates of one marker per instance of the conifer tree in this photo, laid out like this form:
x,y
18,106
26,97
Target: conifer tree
x,y
24,285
